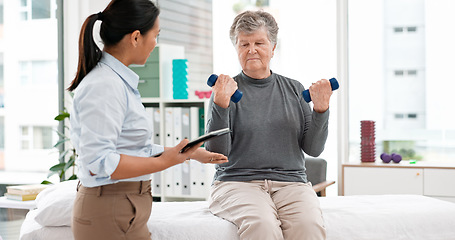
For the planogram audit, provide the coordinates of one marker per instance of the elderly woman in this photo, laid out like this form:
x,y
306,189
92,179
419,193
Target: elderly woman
x,y
263,189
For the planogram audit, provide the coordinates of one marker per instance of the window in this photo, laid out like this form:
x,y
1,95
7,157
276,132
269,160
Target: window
x,y
399,73
38,72
1,13
37,9
412,72
28,90
415,109
398,29
402,73
399,115
412,115
405,29
411,29
36,137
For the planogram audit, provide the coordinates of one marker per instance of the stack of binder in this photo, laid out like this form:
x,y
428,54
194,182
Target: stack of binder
x,y
191,178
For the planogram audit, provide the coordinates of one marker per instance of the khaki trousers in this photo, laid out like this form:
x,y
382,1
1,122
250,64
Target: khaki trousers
x,y
116,212
267,209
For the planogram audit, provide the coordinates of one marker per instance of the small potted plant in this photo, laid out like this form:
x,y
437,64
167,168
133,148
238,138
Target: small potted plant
x,y
67,157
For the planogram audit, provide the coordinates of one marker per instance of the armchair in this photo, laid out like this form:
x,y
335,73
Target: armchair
x,y
316,170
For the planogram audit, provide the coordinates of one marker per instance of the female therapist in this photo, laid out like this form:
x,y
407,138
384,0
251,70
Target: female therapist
x,y
111,130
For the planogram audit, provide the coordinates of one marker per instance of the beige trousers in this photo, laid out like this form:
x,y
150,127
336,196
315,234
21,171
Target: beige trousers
x,y
116,212
267,209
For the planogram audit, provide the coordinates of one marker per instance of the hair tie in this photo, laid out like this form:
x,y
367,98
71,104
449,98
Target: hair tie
x,y
100,16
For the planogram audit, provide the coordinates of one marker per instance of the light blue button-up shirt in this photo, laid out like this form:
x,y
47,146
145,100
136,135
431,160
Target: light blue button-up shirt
x,y
108,119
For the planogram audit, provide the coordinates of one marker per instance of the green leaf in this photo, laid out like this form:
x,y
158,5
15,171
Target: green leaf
x,y
73,177
62,176
70,162
57,167
61,142
51,174
46,182
62,116
63,154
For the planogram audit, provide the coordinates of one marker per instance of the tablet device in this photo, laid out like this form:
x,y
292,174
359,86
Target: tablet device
x,y
202,138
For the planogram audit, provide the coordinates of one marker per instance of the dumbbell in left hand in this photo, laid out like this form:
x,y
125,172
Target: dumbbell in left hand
x,y
235,97
333,83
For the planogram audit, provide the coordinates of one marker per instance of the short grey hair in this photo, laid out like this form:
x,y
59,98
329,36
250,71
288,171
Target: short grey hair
x,y
251,21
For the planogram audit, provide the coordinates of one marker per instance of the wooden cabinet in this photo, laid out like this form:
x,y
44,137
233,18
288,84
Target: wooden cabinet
x,y
423,178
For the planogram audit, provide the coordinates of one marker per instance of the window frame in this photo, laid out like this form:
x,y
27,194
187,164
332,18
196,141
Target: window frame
x,y
28,10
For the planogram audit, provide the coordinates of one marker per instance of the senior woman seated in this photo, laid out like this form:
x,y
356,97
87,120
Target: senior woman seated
x,y
263,189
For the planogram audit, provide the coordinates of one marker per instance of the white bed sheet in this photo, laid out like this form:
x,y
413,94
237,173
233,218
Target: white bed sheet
x,y
349,217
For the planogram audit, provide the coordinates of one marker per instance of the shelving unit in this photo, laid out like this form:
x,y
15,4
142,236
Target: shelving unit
x,y
190,180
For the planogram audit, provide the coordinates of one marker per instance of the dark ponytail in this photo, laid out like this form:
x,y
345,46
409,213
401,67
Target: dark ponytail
x,y
120,17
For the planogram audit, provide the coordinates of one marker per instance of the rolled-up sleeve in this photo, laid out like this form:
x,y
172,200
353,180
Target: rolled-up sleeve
x,y
156,149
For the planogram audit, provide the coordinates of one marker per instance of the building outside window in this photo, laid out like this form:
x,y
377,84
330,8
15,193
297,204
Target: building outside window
x,y
400,68
28,86
37,137
38,72
37,9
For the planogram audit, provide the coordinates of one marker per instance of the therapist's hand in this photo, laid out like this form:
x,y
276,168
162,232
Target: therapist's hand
x,y
223,89
134,166
320,92
173,155
205,156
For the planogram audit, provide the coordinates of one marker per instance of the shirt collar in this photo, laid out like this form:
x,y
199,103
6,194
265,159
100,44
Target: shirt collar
x,y
124,72
259,82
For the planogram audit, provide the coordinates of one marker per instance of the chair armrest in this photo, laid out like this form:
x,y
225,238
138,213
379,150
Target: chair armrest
x,y
320,187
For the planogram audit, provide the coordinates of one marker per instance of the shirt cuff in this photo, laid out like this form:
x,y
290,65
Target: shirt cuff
x,y
111,163
321,116
156,149
220,110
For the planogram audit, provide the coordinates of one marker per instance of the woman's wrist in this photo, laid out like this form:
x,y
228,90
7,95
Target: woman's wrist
x,y
222,101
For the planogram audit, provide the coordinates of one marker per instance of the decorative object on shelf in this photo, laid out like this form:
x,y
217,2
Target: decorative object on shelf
x,y
203,94
180,78
367,136
386,158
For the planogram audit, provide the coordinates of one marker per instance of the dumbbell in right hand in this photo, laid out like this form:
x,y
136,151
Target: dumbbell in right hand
x,y
235,97
333,83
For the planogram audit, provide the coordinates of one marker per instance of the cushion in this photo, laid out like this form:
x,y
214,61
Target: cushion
x,y
55,204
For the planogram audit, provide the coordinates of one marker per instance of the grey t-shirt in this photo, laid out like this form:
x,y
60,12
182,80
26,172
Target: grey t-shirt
x,y
271,125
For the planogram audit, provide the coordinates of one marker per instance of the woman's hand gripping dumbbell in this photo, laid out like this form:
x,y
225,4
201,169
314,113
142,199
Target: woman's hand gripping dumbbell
x,y
333,83
228,86
320,94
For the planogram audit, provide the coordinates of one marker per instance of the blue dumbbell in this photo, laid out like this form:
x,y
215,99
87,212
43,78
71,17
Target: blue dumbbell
x,y
235,97
333,83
